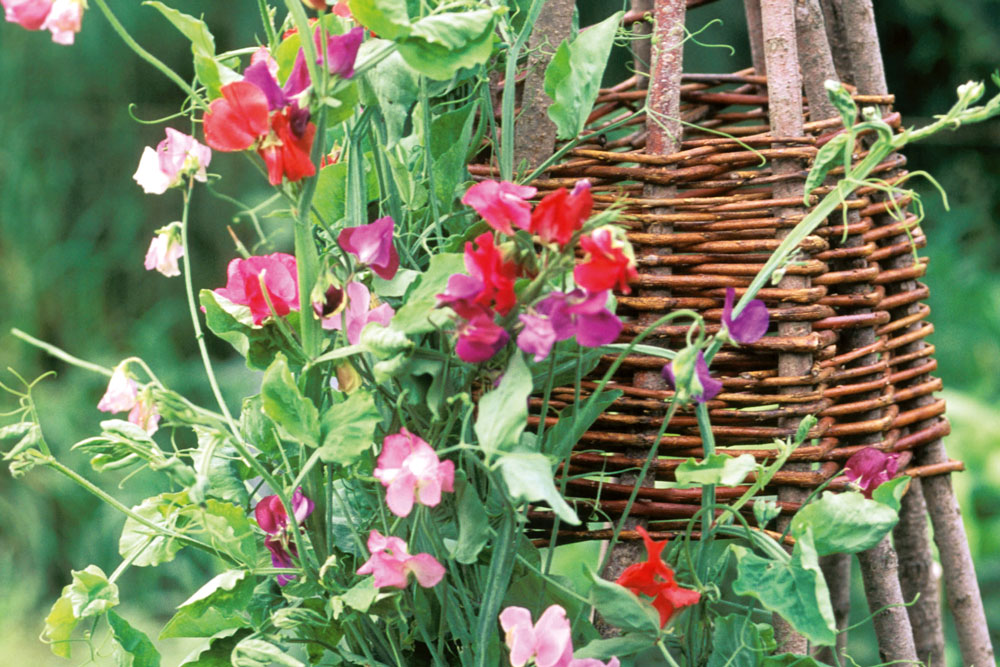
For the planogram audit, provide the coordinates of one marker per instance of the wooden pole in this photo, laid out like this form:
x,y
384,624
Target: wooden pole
x,y
815,58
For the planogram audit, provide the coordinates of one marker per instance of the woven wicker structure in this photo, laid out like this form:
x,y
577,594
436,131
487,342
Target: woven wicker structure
x,y
848,322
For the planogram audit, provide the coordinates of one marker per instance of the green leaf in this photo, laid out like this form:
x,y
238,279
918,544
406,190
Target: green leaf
x,y
503,412
573,77
253,652
528,476
473,522
842,100
629,643
349,428
794,589
148,546
393,86
441,44
397,286
294,414
361,595
420,314
891,493
623,608
386,18
218,605
233,324
739,642
226,528
216,469
194,29
134,648
791,660
561,438
256,427
831,155
844,522
217,651
341,103
331,193
765,510
449,142
89,594
715,469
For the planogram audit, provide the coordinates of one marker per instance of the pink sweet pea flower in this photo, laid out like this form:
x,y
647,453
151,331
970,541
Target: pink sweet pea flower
x,y
391,564
501,204
273,519
144,413
121,393
64,20
372,245
548,642
358,313
750,325
410,470
480,338
165,249
173,158
869,468
29,14
280,278
263,54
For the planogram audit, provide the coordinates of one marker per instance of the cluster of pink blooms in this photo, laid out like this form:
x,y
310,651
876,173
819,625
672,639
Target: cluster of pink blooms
x,y
60,17
548,642
123,395
487,290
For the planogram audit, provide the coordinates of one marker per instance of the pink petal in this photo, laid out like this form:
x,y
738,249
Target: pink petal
x,y
399,494
149,175
426,569
516,622
554,642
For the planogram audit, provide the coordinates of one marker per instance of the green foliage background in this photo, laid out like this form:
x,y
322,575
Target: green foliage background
x,y
74,228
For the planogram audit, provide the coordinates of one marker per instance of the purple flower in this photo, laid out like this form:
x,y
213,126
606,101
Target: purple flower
x,y
537,337
372,245
750,325
480,338
342,51
703,387
273,519
358,313
259,74
870,467
561,316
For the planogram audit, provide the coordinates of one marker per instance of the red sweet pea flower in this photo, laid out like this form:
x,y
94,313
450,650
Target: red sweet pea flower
x,y
487,264
655,579
561,213
285,151
605,264
238,119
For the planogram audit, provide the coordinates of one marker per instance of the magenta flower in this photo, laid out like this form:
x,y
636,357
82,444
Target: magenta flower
x,y
280,277
703,386
342,51
273,519
870,467
410,469
501,204
144,413
372,245
549,642
480,338
561,316
537,337
173,158
358,313
122,391
750,325
391,564
164,250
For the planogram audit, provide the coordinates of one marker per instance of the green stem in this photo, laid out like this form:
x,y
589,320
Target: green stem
x,y
708,490
267,19
60,354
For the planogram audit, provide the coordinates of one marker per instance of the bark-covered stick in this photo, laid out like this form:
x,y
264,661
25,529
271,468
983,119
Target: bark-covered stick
x,y
642,49
837,572
835,38
880,572
756,35
815,58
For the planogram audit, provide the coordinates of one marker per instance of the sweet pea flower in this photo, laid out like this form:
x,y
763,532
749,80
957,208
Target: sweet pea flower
x,y
263,54
703,387
121,393
372,245
561,213
280,277
286,149
63,20
238,119
608,262
480,338
273,520
501,204
869,468
548,642
358,313
561,316
410,470
165,249
144,413
750,325
655,579
29,14
391,564
165,166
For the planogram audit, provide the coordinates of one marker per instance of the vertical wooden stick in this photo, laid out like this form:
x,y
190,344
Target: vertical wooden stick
x,y
880,571
815,58
837,572
835,37
642,49
756,36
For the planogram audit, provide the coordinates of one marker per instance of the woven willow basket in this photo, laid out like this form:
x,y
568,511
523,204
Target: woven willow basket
x,y
869,382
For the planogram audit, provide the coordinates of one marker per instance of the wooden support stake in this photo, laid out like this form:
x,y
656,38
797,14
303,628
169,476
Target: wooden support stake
x,y
756,35
815,58
880,572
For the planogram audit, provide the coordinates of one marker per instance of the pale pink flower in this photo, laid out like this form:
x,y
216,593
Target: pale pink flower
x,y
501,203
29,14
410,470
121,393
549,642
144,413
264,54
63,20
173,158
391,564
358,313
164,251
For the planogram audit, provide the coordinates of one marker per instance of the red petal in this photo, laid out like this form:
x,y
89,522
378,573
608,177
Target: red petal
x,y
238,119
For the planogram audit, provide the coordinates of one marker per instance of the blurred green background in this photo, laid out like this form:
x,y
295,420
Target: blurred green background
x,y
74,229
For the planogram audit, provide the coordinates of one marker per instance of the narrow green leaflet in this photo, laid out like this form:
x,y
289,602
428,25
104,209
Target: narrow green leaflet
x,y
252,652
739,642
560,439
441,44
831,155
218,605
212,74
573,77
844,522
623,608
715,469
528,476
419,313
349,428
133,648
386,18
629,643
891,493
473,522
294,414
795,589
89,594
149,546
503,412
